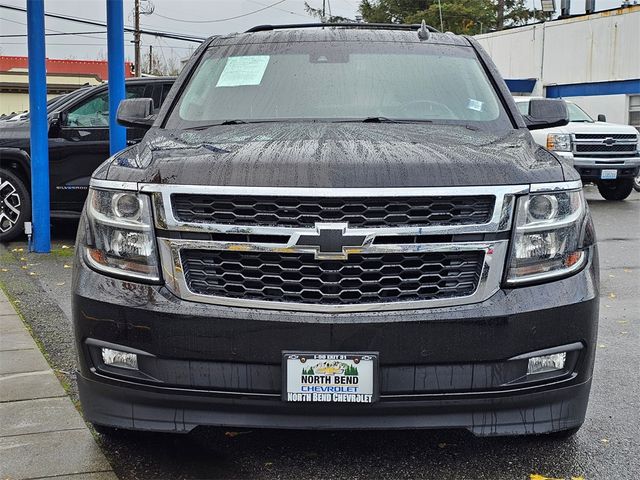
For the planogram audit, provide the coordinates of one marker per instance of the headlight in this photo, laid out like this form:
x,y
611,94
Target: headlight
x,y
559,142
123,242
549,235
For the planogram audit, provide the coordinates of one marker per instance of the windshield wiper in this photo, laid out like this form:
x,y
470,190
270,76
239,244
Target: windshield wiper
x,y
233,122
229,122
378,120
383,120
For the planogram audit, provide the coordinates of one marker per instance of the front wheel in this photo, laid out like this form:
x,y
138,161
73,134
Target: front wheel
x,y
615,189
636,183
15,205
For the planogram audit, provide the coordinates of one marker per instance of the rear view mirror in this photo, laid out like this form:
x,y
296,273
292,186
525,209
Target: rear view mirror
x,y
546,113
602,117
136,112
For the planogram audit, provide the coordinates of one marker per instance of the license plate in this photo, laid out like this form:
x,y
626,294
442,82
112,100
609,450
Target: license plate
x,y
609,174
329,377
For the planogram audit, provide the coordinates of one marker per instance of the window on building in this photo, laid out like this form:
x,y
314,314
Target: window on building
x,y
634,111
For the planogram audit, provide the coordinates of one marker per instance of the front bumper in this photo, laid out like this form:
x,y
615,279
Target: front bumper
x,y
440,368
590,168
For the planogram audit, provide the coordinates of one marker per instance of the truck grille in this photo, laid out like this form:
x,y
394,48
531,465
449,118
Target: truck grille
x,y
605,145
300,278
357,212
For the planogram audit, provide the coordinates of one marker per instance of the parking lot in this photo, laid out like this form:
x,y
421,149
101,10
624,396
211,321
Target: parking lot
x,y
605,448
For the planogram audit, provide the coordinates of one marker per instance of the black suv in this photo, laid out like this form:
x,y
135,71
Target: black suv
x,y
78,144
342,227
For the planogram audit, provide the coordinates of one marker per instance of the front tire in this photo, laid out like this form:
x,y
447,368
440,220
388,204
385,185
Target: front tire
x,y
636,183
615,190
15,205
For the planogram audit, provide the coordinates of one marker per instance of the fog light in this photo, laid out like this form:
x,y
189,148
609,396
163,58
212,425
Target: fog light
x,y
546,363
116,358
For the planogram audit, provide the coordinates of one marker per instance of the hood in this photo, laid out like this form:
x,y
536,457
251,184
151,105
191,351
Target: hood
x,y
17,127
339,155
595,127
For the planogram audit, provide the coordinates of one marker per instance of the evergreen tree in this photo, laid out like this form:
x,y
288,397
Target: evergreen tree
x,y
458,16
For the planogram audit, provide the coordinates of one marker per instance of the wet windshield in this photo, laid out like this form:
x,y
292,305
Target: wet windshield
x,y
339,81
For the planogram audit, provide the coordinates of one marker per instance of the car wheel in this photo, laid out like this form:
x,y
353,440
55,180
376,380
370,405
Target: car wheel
x,y
15,205
636,183
616,189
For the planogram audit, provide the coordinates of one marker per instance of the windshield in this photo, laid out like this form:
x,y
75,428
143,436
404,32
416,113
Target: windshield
x,y
339,81
576,114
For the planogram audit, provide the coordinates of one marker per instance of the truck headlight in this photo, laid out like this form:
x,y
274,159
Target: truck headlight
x,y
559,142
122,239
548,240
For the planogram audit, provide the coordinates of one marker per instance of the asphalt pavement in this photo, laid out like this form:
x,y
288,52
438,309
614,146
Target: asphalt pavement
x,y
605,448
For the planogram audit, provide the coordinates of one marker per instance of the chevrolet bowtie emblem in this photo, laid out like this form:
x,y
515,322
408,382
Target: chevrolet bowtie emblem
x,y
330,240
609,141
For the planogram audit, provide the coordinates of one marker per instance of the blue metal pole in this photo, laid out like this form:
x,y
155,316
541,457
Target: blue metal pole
x,y
39,127
115,46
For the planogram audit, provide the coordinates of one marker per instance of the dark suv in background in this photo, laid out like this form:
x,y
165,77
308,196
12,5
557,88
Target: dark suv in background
x,y
78,144
342,227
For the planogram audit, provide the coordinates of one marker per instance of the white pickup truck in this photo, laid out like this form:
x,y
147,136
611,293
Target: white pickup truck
x,y
605,154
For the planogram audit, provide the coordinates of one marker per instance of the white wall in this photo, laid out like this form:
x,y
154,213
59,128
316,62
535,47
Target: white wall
x,y
615,107
594,48
601,47
516,52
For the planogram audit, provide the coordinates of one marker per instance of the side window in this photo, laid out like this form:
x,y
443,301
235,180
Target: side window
x,y
135,91
93,112
523,107
634,111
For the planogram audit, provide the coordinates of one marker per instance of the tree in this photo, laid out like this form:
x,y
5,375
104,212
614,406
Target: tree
x,y
459,16
159,65
321,14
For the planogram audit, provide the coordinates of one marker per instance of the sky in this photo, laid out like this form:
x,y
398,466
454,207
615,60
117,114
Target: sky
x,y
194,17
92,46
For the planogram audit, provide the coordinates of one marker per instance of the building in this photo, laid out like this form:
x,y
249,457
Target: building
x,y
593,60
63,76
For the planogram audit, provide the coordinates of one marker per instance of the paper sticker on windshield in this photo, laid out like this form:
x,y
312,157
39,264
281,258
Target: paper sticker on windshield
x,y
475,105
240,71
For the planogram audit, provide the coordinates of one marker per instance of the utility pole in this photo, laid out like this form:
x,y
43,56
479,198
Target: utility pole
x,y
150,60
136,36
500,15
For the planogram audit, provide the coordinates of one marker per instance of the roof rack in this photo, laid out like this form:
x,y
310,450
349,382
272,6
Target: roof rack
x,y
379,26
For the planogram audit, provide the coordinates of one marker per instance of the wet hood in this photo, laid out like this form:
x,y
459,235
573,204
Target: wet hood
x,y
339,155
16,128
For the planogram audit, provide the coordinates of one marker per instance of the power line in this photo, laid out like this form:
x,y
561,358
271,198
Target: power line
x,y
48,29
281,9
221,19
51,34
172,35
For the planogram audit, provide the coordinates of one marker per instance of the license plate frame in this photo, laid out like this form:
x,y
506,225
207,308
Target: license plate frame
x,y
312,358
608,174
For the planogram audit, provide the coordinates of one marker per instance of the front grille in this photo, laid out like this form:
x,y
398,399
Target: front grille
x,y
357,212
300,278
627,148
593,145
600,136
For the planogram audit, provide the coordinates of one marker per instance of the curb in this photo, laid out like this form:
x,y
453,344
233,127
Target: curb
x,y
42,435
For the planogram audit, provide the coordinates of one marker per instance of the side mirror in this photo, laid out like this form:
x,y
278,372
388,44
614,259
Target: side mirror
x,y
58,119
546,113
602,117
136,112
